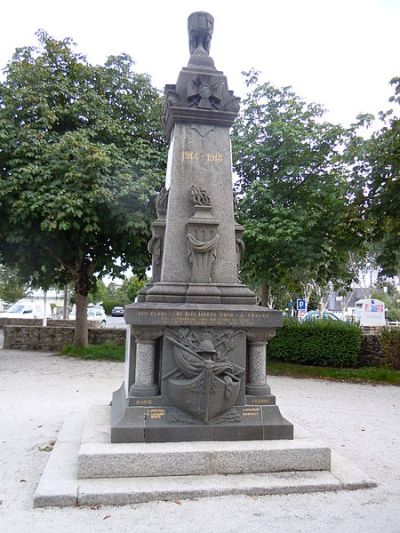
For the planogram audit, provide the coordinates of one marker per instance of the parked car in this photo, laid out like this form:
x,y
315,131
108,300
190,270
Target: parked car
x,y
95,313
315,315
27,309
117,311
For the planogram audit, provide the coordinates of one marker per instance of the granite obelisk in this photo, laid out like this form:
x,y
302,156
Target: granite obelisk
x,y
196,360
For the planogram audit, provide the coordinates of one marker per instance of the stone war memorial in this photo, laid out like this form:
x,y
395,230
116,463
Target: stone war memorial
x,y
194,415
196,369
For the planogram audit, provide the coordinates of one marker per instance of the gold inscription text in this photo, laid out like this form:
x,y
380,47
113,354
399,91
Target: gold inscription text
x,y
210,157
156,414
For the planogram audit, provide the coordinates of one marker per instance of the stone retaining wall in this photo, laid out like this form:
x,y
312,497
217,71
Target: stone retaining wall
x,y
38,322
53,338
372,351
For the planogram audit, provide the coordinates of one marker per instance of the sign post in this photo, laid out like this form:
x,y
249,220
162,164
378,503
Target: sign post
x,y
301,306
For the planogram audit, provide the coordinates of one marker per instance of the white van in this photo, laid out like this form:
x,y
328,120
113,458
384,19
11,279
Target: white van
x,y
27,309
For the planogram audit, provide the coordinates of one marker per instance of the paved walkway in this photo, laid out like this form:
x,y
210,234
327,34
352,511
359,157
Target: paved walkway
x,y
38,391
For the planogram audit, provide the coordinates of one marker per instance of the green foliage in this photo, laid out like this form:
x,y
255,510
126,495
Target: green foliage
x,y
392,314
81,157
132,286
293,193
99,293
379,173
320,342
12,287
107,351
353,375
116,294
109,304
386,291
391,347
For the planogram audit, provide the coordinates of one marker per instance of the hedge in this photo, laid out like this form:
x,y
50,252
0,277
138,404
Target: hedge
x,y
319,343
109,304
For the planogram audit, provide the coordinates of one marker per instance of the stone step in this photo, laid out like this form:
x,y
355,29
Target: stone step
x,y
98,458
60,486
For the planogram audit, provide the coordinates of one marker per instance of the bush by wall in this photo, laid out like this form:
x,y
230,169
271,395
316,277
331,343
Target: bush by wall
x,y
391,347
109,304
319,342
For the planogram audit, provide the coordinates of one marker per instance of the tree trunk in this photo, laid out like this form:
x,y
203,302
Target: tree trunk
x,y
66,302
81,323
266,295
44,322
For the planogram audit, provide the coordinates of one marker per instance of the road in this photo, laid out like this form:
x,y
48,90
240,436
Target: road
x,y
116,322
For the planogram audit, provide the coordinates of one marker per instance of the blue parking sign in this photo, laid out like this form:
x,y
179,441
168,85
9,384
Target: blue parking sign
x,y
301,304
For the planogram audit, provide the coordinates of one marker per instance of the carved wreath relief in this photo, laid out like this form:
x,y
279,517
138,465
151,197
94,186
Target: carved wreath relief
x,y
204,383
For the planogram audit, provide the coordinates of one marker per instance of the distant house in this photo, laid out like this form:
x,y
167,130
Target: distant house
x,y
343,306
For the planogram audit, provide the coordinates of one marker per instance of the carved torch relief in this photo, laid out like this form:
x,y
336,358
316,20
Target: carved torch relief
x,y
202,237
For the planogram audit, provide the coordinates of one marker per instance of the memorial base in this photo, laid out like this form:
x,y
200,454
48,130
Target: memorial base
x,y
169,424
197,372
85,468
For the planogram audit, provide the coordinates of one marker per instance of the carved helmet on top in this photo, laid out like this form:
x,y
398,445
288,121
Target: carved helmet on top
x,y
206,346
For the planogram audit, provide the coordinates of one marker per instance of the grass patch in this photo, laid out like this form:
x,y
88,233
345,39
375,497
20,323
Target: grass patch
x,y
109,351
366,374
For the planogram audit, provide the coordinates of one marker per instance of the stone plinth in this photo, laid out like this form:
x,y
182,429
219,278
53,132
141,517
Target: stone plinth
x,y
86,469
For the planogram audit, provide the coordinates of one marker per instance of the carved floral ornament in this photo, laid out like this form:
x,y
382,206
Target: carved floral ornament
x,y
199,196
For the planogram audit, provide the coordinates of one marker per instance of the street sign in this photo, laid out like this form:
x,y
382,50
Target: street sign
x,y
301,304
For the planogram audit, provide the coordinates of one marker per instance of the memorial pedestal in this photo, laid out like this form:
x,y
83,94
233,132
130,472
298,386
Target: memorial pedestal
x,y
198,372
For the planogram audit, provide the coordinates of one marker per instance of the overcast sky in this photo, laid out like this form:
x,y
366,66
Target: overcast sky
x,y
339,53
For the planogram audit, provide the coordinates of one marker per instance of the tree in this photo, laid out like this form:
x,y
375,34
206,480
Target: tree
x,y
294,195
12,287
132,286
81,155
383,187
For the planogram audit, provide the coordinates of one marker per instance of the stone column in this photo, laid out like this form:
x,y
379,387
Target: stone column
x,y
145,379
257,364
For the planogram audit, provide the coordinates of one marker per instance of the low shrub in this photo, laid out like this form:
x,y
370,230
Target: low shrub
x,y
319,343
392,314
391,347
109,304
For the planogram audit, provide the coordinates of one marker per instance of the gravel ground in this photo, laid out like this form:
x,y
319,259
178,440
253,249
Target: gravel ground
x,y
38,391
